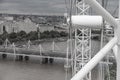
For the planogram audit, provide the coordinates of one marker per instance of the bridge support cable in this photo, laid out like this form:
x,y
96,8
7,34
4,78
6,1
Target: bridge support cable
x,y
14,51
55,46
6,43
41,49
29,44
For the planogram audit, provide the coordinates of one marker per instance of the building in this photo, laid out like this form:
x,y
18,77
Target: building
x,y
15,26
46,28
26,25
9,25
6,26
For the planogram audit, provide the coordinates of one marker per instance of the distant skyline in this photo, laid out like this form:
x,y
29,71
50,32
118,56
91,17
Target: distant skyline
x,y
43,6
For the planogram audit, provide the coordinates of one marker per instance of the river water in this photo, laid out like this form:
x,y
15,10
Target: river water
x,y
34,69
10,70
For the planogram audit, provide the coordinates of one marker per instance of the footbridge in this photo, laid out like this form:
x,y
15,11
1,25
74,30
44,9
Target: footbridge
x,y
50,51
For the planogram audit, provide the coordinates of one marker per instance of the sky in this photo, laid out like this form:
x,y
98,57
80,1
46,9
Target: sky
x,y
43,6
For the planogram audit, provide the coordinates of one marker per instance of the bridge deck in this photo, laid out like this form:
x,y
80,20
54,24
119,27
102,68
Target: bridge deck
x,y
35,53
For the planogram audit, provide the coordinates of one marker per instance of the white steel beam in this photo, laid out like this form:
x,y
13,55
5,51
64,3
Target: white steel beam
x,y
95,60
82,50
118,52
118,63
119,10
86,21
115,51
101,11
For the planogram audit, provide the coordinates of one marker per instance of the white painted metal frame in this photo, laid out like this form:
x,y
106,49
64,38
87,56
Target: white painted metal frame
x,y
82,52
102,53
95,60
82,49
82,7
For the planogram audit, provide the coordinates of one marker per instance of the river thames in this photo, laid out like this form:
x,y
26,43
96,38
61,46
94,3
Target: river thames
x,y
34,69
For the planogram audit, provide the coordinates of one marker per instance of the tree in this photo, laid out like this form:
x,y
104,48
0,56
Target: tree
x,y
63,34
42,36
13,37
46,34
1,41
4,35
32,35
21,35
54,34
